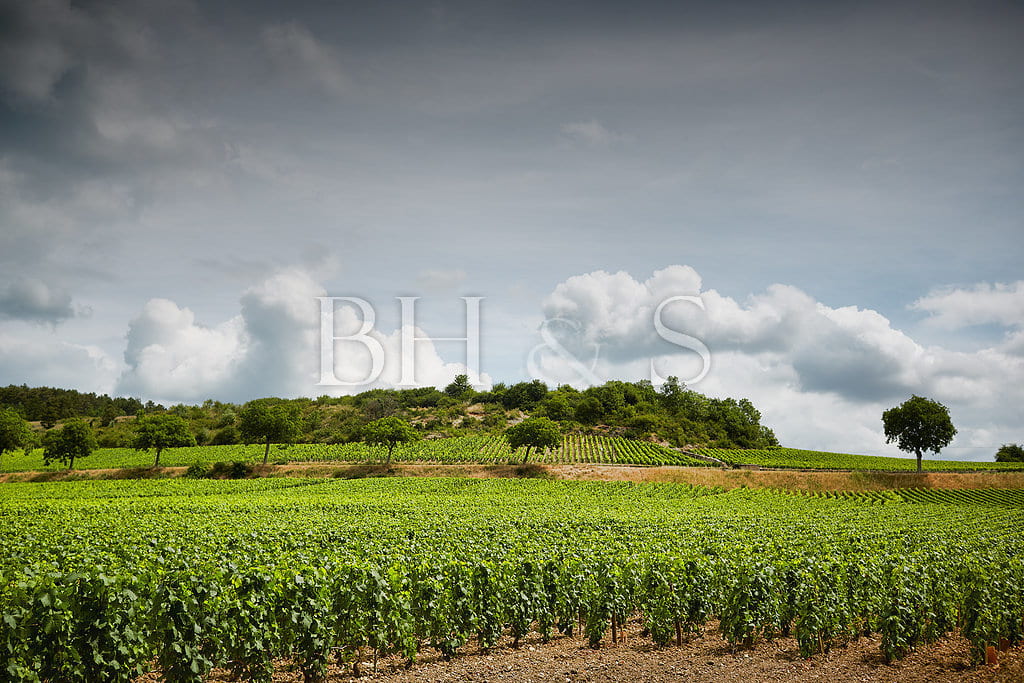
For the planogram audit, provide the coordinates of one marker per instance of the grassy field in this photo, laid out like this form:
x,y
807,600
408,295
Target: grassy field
x,y
803,459
468,449
308,569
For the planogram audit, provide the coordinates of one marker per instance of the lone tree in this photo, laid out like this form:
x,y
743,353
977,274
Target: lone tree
x,y
160,431
389,432
70,442
919,425
460,387
14,432
533,432
1010,452
268,420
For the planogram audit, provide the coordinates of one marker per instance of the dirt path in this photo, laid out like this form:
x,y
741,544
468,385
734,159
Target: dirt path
x,y
701,476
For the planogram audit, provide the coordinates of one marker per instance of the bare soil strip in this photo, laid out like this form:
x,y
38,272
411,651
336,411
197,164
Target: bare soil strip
x,y
701,476
704,657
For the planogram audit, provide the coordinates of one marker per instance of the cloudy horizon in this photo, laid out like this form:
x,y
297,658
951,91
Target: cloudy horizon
x,y
838,183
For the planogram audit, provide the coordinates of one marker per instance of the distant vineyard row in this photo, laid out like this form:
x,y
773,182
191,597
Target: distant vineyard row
x,y
467,449
1008,498
801,459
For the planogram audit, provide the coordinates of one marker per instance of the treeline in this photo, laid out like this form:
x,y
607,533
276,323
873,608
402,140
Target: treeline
x,y
49,405
670,413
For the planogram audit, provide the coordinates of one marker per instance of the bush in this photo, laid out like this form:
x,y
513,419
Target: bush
x,y
230,470
198,470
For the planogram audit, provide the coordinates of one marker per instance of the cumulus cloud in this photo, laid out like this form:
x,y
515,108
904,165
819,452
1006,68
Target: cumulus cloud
x,y
170,356
271,348
35,301
816,371
984,303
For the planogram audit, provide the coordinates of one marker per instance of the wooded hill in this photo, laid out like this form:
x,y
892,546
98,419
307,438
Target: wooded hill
x,y
670,413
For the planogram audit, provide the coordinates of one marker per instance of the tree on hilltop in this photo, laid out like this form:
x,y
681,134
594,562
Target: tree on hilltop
x,y
1010,452
460,387
917,425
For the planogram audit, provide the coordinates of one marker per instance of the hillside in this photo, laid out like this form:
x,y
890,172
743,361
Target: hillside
x,y
670,415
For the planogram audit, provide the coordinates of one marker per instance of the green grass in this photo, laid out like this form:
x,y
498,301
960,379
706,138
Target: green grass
x,y
467,449
802,459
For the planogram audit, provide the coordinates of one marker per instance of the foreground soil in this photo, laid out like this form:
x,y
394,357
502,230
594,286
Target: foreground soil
x,y
704,657
794,480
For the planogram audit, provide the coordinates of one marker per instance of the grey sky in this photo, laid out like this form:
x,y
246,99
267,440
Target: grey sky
x,y
866,154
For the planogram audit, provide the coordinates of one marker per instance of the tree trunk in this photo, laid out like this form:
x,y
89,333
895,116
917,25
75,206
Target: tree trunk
x,y
390,448
918,461
71,463
527,456
266,452
157,462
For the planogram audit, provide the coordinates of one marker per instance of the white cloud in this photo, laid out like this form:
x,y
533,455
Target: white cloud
x,y
271,348
952,308
820,375
168,355
39,358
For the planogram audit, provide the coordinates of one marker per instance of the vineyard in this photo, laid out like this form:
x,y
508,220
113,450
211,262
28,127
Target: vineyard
x,y
801,459
105,580
1009,498
493,449
467,449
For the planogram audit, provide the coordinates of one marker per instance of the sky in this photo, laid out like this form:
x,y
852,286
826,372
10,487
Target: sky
x,y
835,188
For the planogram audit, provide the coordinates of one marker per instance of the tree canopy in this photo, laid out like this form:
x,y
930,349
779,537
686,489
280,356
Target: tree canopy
x,y
162,430
268,420
533,432
14,432
918,425
72,441
1010,452
389,432
460,387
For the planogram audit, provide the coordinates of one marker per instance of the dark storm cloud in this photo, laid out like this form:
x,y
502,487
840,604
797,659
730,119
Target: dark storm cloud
x,y
35,301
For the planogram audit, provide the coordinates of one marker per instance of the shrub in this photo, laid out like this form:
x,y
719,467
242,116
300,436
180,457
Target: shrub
x,y
198,470
225,469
